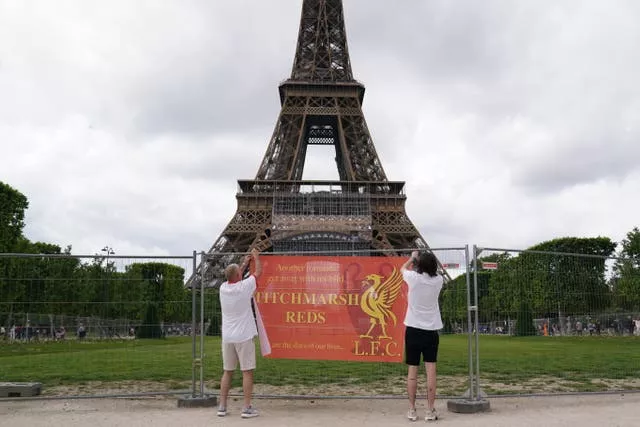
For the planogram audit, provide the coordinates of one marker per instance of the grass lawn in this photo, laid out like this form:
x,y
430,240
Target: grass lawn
x,y
582,363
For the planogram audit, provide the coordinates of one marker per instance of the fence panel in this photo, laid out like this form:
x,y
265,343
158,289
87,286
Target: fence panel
x,y
548,323
286,377
96,324
556,322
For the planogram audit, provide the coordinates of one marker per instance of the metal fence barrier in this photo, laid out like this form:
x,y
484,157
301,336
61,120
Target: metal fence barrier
x,y
537,323
554,322
91,324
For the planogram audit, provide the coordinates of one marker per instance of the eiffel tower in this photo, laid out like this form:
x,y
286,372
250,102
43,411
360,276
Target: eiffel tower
x,y
321,105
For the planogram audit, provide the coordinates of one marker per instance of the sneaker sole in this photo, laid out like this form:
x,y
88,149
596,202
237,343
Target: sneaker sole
x,y
249,415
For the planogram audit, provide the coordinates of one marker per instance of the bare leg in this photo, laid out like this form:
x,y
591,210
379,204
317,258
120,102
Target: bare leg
x,y
225,385
247,387
431,385
412,386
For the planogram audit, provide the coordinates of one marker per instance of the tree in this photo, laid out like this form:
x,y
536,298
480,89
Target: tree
x,y
48,280
453,299
453,303
575,284
626,281
554,279
631,246
159,289
30,284
13,204
12,207
88,288
149,292
487,304
524,322
36,284
150,327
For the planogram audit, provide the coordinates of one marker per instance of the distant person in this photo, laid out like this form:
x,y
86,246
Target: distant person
x,y
82,333
60,333
579,327
422,321
238,332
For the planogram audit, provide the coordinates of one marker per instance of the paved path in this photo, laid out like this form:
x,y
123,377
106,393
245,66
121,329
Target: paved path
x,y
583,411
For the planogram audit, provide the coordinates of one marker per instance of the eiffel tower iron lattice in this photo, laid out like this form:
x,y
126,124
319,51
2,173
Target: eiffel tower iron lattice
x,y
321,105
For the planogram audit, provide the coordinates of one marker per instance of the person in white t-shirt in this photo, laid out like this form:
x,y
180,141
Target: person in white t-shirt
x,y
422,321
238,332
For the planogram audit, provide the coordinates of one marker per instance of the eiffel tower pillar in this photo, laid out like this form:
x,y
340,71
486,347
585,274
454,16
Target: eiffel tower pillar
x,y
321,105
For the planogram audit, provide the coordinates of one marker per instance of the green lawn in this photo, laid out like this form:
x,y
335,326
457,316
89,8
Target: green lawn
x,y
506,362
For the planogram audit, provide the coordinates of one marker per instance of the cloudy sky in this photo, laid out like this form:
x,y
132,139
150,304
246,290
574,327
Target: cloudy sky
x,y
127,123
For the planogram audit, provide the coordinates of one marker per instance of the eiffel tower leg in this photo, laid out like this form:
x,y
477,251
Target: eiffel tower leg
x,y
248,229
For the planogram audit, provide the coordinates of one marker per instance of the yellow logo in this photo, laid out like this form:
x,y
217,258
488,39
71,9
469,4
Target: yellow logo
x,y
378,299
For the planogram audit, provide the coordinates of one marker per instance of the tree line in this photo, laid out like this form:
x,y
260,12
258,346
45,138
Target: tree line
x,y
556,279
539,282
147,293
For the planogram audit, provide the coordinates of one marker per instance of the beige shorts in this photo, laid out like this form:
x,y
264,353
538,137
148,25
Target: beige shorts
x,y
243,352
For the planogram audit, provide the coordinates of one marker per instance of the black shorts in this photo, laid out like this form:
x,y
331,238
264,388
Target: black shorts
x,y
419,342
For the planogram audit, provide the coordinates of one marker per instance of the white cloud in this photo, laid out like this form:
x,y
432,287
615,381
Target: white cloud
x,y
128,123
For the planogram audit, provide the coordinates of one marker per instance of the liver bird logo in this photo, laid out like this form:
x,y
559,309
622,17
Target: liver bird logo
x,y
377,301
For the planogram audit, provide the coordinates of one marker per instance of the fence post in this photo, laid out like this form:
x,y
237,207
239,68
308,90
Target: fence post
x,y
472,401
469,324
477,323
202,332
194,401
193,329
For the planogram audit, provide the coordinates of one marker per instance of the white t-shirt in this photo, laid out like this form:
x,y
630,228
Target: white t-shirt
x,y
423,310
238,323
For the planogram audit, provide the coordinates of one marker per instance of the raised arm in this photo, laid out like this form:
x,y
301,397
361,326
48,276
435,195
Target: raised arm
x,y
245,263
409,264
258,265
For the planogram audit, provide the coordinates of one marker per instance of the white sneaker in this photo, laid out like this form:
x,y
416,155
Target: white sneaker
x,y
412,415
432,415
249,412
222,412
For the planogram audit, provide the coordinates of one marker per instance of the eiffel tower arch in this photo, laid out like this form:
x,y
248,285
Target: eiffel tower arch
x,y
321,104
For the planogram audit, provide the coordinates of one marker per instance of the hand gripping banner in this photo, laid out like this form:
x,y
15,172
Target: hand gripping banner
x,y
333,308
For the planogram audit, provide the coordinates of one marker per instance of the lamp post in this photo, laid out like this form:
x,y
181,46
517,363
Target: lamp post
x,y
108,250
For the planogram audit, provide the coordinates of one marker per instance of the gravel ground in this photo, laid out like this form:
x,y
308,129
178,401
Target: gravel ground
x,y
585,411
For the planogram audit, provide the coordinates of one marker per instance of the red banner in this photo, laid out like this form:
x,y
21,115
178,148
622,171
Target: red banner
x,y
333,308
